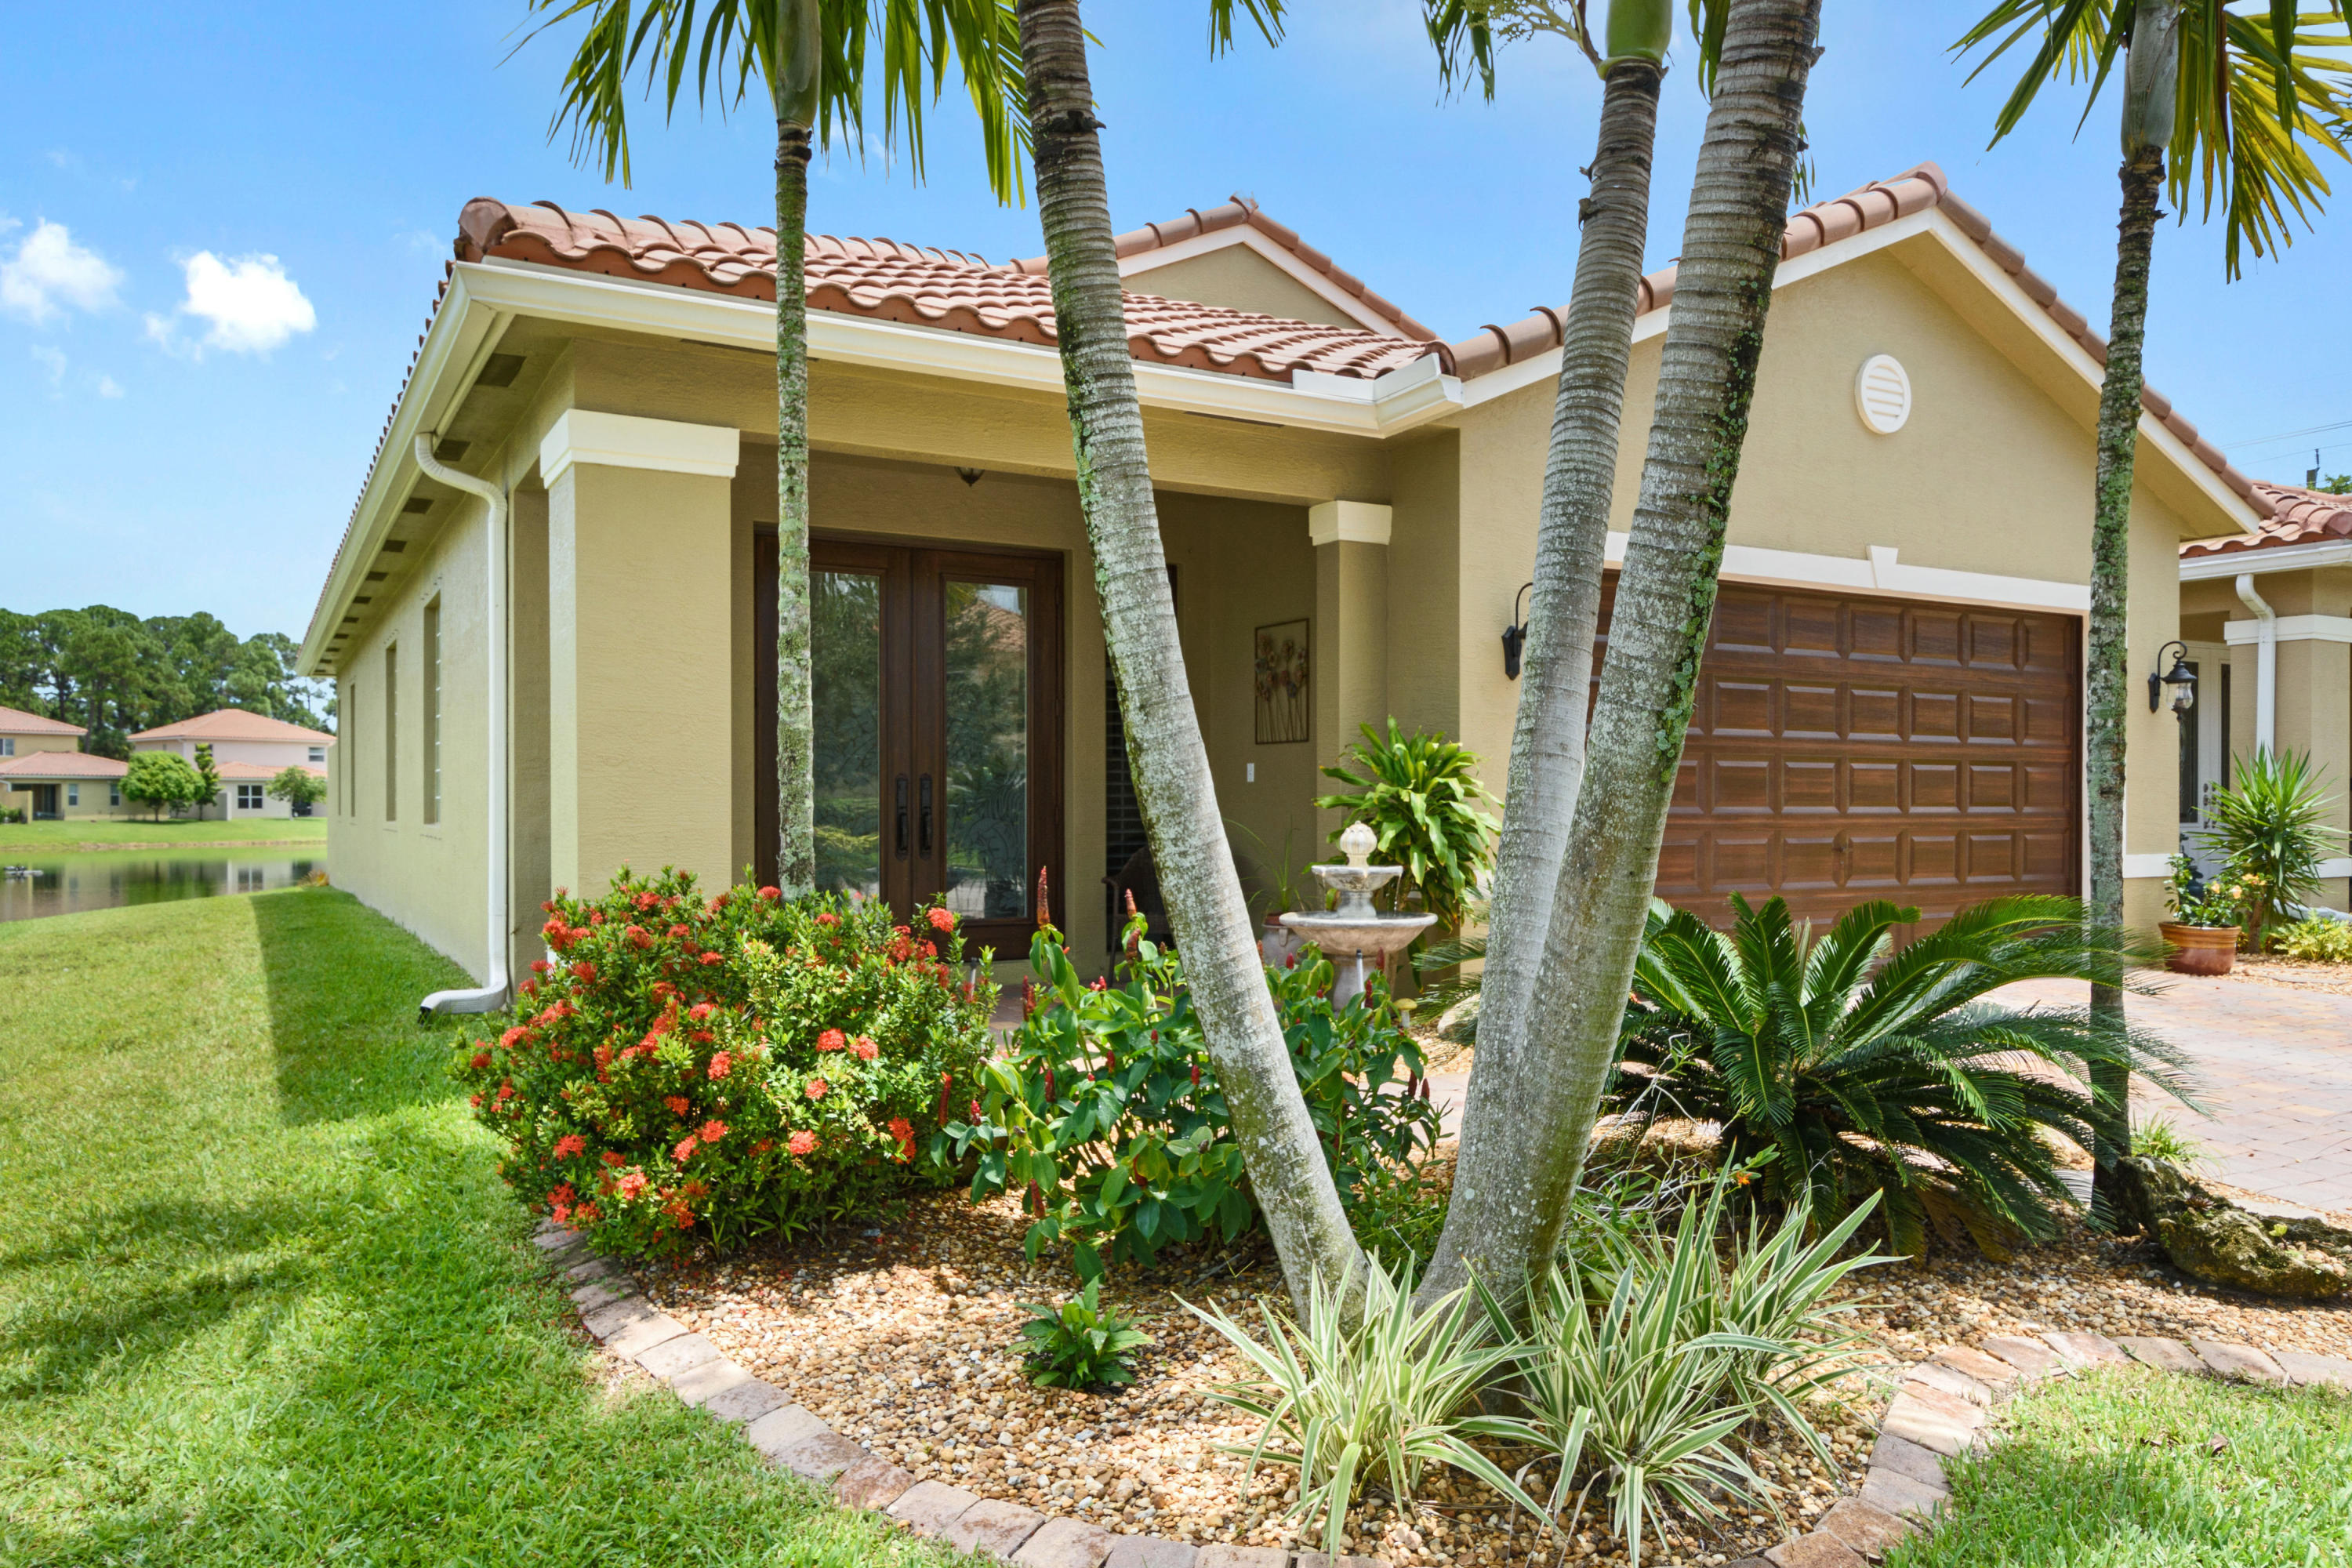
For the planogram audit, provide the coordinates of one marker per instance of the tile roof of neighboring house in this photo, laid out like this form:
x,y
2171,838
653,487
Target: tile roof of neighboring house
x,y
249,773
895,282
233,724
1874,206
2296,517
46,765
1237,213
17,721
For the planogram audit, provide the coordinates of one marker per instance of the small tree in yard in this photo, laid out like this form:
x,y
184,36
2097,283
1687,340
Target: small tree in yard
x,y
208,779
297,787
162,778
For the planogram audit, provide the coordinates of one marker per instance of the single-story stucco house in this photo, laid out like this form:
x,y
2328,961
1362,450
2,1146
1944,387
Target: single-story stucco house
x,y
2266,619
1891,705
249,749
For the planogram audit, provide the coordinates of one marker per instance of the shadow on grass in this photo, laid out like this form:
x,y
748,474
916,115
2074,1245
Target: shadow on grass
x,y
344,986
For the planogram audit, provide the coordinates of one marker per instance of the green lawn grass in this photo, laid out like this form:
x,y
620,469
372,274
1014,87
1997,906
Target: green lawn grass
x,y
263,1299
79,830
2135,1469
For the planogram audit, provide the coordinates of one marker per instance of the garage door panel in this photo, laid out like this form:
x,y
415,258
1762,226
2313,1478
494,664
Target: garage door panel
x,y
1844,748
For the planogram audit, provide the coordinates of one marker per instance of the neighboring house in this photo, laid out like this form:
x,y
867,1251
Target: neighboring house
x,y
45,774
249,750
1891,706
2267,619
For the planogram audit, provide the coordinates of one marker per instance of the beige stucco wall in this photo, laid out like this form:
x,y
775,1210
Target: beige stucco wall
x,y
1239,278
26,745
271,754
94,801
1992,474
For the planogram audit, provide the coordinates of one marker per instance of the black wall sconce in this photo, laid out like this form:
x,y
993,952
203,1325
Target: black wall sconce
x,y
1515,636
2180,677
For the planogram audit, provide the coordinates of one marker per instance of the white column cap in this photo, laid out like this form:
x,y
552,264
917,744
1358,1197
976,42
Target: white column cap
x,y
627,441
1355,521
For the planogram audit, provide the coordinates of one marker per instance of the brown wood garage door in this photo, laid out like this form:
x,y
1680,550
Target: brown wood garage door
x,y
1846,747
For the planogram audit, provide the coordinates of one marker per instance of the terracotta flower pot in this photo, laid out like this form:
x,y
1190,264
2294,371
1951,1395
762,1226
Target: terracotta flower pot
x,y
2200,950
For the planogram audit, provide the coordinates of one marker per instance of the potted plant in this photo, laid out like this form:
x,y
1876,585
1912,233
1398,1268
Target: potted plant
x,y
2203,932
1277,944
2270,828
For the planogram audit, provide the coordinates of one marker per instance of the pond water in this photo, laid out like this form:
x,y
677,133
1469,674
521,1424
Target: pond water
x,y
33,884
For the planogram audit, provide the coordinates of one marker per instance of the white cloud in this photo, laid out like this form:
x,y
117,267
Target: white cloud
x,y
49,273
108,387
249,303
52,360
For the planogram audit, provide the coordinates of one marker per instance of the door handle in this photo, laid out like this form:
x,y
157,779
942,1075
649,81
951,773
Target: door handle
x,y
923,836
902,817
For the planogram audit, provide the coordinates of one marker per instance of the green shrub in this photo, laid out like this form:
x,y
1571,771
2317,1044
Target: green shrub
x,y
2210,901
720,1067
1420,795
1079,1345
2157,1139
2317,940
1106,1115
2270,828
161,779
1868,1068
1372,1397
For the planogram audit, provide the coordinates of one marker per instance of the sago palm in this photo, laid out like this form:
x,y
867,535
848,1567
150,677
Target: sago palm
x,y
1862,1069
2240,103
810,59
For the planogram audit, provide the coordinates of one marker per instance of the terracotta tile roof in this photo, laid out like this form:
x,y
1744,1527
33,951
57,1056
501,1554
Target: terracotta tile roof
x,y
46,765
233,724
888,280
17,721
1874,206
1237,213
2296,517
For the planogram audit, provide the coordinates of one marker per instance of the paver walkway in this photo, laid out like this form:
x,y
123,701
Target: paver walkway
x,y
2275,1067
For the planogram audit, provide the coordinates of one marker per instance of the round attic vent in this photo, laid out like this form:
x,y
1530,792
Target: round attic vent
x,y
1882,394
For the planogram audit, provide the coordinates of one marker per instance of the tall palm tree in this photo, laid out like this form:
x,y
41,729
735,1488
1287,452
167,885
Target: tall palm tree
x,y
1506,1216
1547,763
809,57
1205,908
2241,104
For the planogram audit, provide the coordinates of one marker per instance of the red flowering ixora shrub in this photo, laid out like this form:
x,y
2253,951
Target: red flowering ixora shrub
x,y
687,1068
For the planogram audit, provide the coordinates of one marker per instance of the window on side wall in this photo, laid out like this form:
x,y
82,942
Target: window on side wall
x,y
8,745
73,794
432,748
114,794
391,732
318,756
248,798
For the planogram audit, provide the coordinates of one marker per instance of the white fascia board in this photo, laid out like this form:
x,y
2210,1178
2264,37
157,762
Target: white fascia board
x,y
2290,628
663,309
2272,558
1247,235
1880,572
460,336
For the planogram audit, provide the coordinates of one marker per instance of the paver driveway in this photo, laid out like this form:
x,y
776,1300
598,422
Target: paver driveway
x,y
2275,1067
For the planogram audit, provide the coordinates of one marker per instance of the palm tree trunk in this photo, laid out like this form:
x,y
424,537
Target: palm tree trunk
x,y
2106,678
795,867
1205,909
1506,1227
1563,619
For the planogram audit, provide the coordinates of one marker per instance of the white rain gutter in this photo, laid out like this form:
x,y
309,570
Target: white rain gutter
x,y
2265,663
492,995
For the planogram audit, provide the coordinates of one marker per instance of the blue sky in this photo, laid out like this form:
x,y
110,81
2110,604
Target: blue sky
x,y
221,227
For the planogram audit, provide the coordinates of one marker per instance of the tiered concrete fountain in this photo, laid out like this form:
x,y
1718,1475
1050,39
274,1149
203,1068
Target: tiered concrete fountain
x,y
1356,935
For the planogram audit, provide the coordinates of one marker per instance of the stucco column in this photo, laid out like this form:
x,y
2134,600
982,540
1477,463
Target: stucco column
x,y
2315,709
640,737
1349,675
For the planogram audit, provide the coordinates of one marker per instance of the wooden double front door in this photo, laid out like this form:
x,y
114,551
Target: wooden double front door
x,y
938,697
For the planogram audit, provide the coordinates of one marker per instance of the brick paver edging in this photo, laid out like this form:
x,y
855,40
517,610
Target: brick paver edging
x,y
1940,1410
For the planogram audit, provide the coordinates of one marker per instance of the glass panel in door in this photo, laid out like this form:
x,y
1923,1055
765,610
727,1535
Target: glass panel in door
x,y
986,698
845,658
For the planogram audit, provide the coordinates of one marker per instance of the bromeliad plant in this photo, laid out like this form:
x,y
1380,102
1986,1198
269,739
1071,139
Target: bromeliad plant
x,y
1373,1397
1106,1118
1079,1345
686,1067
1871,1070
1420,794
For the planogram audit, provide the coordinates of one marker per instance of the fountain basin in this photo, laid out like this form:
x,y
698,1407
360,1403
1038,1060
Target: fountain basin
x,y
1353,941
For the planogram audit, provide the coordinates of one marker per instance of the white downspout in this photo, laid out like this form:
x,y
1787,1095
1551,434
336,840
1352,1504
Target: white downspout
x,y
2265,665
492,995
